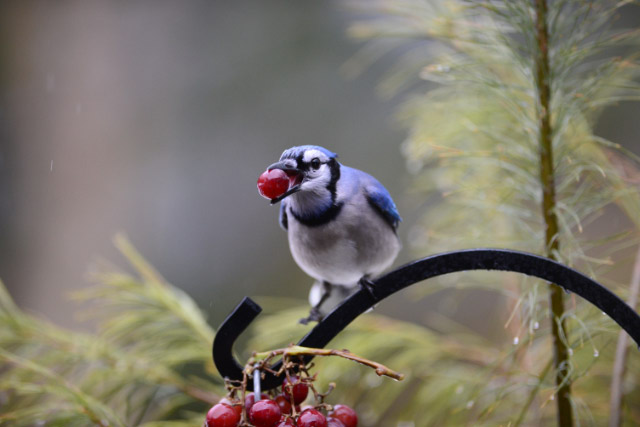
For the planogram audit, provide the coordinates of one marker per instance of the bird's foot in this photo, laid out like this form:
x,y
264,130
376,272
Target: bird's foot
x,y
367,285
314,316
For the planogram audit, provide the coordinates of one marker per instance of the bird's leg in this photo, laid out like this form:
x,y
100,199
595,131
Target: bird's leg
x,y
367,284
315,315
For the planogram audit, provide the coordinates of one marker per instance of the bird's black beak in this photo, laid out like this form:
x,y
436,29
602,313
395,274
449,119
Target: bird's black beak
x,y
296,176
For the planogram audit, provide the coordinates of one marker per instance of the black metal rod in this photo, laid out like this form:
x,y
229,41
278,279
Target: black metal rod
x,y
407,275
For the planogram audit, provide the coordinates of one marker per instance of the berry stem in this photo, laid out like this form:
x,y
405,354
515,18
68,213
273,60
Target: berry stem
x,y
296,350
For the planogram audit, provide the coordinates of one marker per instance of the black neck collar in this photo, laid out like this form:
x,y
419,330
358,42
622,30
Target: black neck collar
x,y
321,218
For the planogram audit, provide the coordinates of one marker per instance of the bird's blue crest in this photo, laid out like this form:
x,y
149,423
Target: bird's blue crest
x,y
295,152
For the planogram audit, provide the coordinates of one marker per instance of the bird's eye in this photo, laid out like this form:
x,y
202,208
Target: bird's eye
x,y
315,163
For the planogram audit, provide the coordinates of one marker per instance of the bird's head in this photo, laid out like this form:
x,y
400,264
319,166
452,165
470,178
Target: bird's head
x,y
311,169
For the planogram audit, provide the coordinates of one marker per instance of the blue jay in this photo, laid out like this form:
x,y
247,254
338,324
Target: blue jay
x,y
341,223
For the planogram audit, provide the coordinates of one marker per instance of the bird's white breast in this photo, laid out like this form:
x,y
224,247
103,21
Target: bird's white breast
x,y
358,243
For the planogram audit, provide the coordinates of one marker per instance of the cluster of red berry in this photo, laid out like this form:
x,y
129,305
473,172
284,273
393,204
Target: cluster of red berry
x,y
240,409
283,410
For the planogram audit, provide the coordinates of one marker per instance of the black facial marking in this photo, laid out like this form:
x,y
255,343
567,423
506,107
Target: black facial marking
x,y
301,164
334,167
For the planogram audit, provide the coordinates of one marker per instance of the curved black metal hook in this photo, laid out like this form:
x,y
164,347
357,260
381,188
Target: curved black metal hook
x,y
432,266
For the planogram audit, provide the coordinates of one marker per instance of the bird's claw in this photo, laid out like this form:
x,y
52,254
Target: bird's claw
x,y
367,285
314,316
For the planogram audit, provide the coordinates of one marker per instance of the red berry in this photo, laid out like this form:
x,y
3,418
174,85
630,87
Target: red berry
x,y
334,422
312,418
265,413
236,406
250,399
286,422
298,388
345,414
222,415
273,183
284,403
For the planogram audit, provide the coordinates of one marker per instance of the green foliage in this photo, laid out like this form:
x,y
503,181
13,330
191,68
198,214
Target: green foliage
x,y
456,378
473,137
473,149
150,359
123,377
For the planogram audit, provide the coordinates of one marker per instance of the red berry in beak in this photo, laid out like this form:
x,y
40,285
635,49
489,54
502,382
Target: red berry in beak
x,y
273,183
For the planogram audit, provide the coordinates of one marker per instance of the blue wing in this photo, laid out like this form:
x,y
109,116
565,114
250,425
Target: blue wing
x,y
284,221
380,200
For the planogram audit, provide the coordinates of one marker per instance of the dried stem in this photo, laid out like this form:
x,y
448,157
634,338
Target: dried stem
x,y
295,350
620,363
558,330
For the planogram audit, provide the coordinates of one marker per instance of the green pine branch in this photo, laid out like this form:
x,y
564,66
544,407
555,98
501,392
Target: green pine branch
x,y
503,125
149,360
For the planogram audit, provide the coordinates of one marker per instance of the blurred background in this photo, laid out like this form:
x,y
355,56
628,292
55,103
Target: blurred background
x,y
156,117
